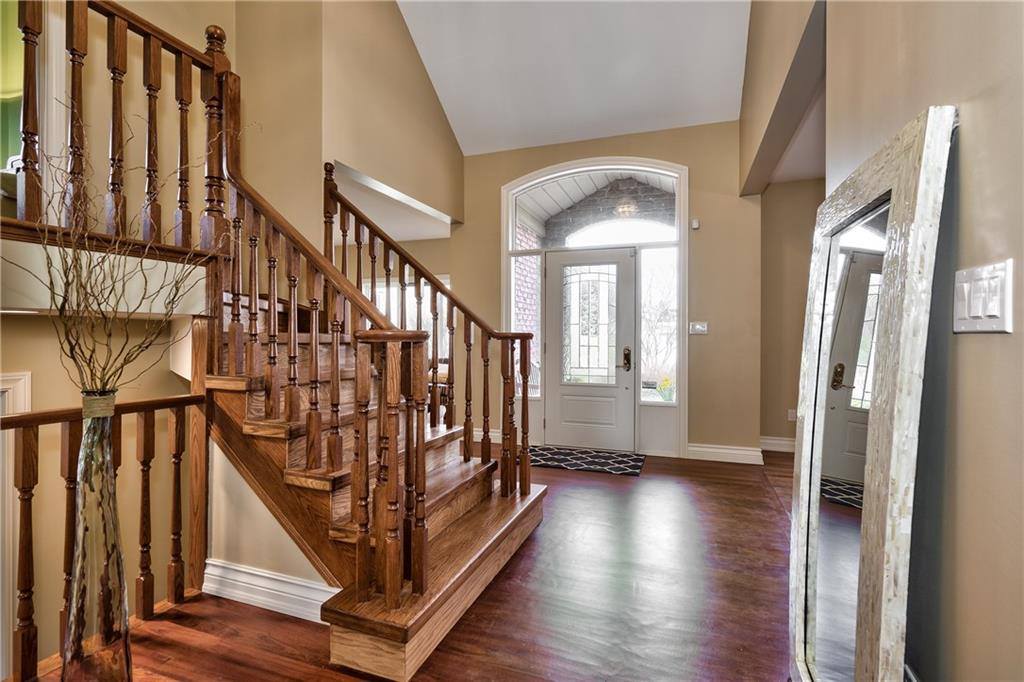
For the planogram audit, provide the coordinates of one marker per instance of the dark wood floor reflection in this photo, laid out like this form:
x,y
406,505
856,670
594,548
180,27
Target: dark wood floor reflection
x,y
679,574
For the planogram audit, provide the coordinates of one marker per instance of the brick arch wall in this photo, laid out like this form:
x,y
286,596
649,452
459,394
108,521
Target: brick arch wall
x,y
652,203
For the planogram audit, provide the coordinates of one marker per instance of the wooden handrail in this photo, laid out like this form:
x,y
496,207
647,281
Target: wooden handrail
x,y
144,28
421,270
230,84
24,231
42,417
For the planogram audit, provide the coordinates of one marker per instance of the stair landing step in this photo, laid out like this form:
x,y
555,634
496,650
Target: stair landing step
x,y
462,561
321,479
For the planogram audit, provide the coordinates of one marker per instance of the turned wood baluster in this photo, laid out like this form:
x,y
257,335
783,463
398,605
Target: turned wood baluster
x,y
403,311
271,379
485,411
419,301
435,399
30,188
117,63
213,225
361,472
387,282
330,208
373,267
467,428
524,450
152,51
449,405
183,94
145,446
26,475
70,444
176,426
358,228
335,453
389,452
75,200
253,352
507,392
314,292
236,355
292,402
419,534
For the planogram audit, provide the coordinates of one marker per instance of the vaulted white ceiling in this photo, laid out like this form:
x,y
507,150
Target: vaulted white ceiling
x,y
521,74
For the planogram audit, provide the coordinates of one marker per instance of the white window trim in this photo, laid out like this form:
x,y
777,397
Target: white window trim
x,y
510,191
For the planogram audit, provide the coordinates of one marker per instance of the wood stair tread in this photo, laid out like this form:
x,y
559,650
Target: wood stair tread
x,y
321,479
454,554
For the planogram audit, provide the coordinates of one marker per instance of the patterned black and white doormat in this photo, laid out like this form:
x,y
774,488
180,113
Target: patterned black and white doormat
x,y
842,492
586,459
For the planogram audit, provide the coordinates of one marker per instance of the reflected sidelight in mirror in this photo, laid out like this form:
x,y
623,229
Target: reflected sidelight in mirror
x,y
865,327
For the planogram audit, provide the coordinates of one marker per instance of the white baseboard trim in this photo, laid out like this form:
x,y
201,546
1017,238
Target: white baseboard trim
x,y
274,591
724,453
778,444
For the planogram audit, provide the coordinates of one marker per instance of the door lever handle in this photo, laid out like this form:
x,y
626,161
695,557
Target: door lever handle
x,y
627,359
838,374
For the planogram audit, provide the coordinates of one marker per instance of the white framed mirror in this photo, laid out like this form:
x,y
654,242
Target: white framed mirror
x,y
861,371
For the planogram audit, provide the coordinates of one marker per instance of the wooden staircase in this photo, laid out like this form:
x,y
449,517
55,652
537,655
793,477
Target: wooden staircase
x,y
331,404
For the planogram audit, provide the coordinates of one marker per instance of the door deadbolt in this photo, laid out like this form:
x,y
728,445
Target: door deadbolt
x,y
627,358
838,374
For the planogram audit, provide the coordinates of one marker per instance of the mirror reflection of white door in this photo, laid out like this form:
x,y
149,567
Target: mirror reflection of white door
x,y
848,399
590,358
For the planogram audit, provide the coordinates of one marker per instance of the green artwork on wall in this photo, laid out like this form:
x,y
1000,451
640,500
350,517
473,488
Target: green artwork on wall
x,y
11,75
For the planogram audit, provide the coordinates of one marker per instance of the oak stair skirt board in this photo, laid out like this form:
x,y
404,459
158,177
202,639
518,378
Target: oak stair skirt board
x,y
393,644
586,459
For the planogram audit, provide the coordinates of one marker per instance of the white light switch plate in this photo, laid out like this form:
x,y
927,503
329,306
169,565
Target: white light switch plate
x,y
698,327
983,299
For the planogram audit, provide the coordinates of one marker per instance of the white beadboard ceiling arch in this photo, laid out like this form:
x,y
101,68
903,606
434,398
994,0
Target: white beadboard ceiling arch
x,y
550,198
519,74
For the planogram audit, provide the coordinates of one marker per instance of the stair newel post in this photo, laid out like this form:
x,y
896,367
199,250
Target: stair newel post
x,y
449,404
145,448
176,567
117,64
467,428
524,449
335,455
315,287
183,95
361,472
377,358
26,475
236,357
485,439
373,266
409,470
30,187
271,380
389,451
213,226
510,408
330,208
77,46
70,444
253,354
505,467
293,407
152,51
435,402
419,533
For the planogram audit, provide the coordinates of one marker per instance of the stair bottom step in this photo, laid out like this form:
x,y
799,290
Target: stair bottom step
x,y
394,643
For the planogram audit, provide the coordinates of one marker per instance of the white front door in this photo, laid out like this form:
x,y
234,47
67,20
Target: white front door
x,y
848,399
589,377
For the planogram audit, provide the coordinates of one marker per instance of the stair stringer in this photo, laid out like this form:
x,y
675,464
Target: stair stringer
x,y
303,513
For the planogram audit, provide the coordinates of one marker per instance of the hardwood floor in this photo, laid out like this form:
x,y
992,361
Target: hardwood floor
x,y
678,574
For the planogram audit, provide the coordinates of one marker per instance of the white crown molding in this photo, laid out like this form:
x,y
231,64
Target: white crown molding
x,y
778,444
724,453
274,591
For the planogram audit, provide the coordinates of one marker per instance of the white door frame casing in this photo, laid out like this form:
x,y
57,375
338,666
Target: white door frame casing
x,y
16,388
511,190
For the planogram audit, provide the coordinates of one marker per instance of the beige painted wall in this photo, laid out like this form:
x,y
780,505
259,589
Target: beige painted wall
x,y
381,114
787,223
30,345
725,264
774,34
886,62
